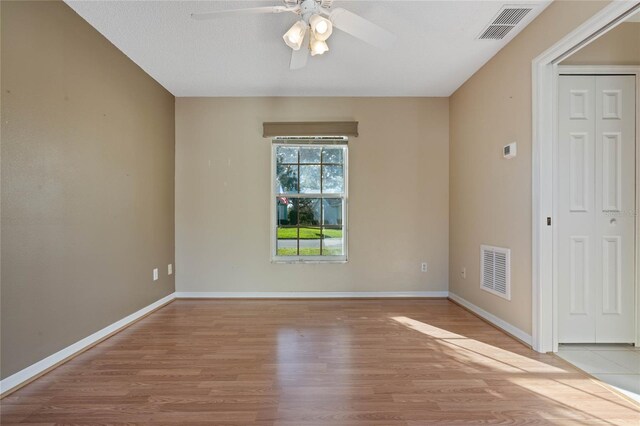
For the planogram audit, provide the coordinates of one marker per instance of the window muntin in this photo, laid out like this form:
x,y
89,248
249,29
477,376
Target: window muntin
x,y
310,188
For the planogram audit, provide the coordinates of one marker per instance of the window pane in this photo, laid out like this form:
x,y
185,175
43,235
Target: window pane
x,y
287,244
309,219
287,179
310,155
287,154
287,229
332,211
309,212
310,246
332,179
332,235
332,242
309,179
309,234
286,211
332,155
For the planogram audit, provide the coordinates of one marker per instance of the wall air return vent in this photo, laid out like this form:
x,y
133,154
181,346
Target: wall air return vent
x,y
495,270
505,21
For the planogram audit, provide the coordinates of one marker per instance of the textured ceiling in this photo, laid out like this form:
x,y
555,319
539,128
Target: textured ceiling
x,y
436,49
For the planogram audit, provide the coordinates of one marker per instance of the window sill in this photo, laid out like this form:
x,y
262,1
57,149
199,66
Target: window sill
x,y
312,261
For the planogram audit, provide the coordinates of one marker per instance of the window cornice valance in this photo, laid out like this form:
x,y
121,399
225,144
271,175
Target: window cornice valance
x,y
310,128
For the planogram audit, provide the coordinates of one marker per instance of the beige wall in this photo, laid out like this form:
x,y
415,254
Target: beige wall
x,y
87,183
398,207
490,197
620,46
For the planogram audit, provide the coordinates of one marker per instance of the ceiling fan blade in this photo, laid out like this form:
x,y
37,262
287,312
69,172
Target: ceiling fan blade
x,y
248,11
361,28
299,57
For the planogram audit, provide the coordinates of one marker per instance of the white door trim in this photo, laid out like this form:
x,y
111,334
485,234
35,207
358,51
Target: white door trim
x,y
544,112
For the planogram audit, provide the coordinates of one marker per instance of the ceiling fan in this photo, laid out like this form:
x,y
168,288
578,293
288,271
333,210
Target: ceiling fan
x,y
316,21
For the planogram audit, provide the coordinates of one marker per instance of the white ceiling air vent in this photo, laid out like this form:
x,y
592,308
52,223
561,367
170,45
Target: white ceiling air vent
x,y
505,21
495,270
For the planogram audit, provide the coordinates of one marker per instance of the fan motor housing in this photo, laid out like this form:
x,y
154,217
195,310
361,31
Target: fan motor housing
x,y
308,8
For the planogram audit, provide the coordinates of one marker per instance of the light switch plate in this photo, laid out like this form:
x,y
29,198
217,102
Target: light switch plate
x,y
155,274
170,269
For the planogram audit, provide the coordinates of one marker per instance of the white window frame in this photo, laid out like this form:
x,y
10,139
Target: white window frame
x,y
345,197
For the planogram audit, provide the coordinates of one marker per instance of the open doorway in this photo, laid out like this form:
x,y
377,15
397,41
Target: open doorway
x,y
593,280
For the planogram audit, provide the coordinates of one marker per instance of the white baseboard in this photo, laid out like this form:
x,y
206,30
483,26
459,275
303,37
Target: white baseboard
x,y
304,294
39,367
498,322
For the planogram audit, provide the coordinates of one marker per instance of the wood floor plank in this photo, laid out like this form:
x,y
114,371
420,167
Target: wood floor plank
x,y
314,362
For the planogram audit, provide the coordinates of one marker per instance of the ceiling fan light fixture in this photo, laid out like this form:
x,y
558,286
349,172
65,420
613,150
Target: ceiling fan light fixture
x,y
295,35
321,27
318,47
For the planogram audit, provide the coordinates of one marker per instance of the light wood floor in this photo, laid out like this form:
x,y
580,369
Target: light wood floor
x,y
303,362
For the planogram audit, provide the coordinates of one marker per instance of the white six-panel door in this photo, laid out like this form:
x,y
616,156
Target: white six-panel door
x,y
596,201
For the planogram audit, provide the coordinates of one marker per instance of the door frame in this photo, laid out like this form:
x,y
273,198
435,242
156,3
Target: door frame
x,y
633,70
544,78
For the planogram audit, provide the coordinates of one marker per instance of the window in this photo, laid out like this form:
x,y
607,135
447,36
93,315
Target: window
x,y
309,199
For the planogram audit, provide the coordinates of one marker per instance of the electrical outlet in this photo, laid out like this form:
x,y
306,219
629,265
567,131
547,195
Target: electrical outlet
x,y
155,274
423,267
463,273
170,269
